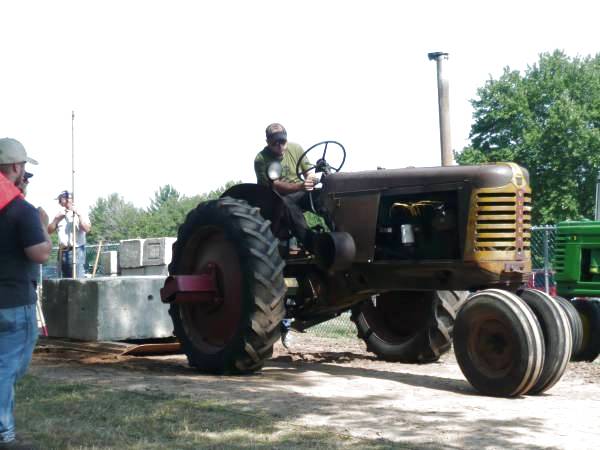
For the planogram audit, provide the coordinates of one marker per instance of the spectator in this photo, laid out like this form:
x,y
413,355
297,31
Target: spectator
x,y
63,225
24,244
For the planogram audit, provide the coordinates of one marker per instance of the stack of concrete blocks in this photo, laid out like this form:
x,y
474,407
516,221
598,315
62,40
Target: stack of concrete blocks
x,y
110,263
145,256
106,308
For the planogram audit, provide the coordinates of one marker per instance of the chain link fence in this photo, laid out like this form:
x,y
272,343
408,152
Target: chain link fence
x,y
50,268
342,327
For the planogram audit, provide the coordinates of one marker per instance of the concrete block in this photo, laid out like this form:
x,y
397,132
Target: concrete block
x,y
156,270
109,262
54,307
135,271
131,253
158,251
106,308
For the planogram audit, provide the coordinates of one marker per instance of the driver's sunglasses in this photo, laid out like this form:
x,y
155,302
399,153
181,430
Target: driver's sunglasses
x,y
279,142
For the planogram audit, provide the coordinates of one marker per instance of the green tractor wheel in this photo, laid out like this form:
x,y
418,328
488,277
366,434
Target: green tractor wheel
x,y
589,311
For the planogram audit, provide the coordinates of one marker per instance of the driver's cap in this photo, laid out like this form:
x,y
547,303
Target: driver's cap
x,y
276,132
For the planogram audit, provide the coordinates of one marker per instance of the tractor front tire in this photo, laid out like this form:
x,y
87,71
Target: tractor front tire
x,y
408,326
575,323
498,343
558,338
235,335
589,312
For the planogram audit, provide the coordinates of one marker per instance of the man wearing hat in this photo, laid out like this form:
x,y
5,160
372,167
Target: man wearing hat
x,y
63,223
23,185
24,244
292,189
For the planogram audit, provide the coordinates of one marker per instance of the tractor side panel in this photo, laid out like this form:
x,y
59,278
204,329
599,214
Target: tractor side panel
x,y
357,214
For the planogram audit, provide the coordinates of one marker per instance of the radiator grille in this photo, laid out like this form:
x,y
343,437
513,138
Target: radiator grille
x,y
558,264
503,221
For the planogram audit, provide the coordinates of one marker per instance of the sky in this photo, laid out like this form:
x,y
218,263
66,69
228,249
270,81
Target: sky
x,y
180,92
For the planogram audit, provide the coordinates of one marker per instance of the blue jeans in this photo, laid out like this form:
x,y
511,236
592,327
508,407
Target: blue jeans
x,y
66,263
18,335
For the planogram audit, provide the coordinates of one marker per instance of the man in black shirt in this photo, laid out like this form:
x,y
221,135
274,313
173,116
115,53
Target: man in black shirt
x,y
24,244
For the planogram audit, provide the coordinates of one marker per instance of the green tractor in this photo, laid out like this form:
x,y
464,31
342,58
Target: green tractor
x,y
400,248
577,266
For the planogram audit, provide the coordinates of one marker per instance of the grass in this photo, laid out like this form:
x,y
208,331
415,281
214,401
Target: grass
x,y
56,415
339,327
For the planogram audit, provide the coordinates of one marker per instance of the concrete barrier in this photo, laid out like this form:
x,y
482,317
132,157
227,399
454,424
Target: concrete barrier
x,y
106,308
131,253
157,251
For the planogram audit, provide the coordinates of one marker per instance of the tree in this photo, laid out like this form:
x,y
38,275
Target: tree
x,y
165,194
114,219
548,121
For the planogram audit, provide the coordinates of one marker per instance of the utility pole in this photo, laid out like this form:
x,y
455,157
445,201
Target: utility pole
x,y
74,228
444,107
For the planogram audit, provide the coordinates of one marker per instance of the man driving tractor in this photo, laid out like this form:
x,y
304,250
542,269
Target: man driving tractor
x,y
292,189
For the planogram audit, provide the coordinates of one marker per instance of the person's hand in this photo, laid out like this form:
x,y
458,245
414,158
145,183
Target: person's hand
x,y
43,217
60,216
309,183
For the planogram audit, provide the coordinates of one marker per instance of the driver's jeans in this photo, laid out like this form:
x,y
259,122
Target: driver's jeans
x,y
297,203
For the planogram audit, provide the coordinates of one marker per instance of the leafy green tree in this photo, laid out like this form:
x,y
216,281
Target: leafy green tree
x,y
114,219
547,120
165,194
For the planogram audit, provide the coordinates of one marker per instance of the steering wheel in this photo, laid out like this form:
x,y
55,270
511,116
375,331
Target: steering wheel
x,y
321,165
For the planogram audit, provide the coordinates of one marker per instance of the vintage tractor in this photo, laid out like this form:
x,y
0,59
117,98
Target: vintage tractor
x,y
577,265
398,248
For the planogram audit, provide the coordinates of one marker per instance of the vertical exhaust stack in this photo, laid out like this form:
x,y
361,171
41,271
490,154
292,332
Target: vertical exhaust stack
x,y
444,108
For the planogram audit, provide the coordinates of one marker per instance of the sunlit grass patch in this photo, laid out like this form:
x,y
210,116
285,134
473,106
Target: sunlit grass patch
x,y
68,416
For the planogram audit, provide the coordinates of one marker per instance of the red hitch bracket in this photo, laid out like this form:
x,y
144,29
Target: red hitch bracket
x,y
187,289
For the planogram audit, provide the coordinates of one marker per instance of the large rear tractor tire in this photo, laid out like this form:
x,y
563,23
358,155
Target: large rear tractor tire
x,y
558,340
408,326
237,334
498,343
576,325
589,312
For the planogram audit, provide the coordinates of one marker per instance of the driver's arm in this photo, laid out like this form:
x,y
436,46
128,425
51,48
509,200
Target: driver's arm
x,y
284,188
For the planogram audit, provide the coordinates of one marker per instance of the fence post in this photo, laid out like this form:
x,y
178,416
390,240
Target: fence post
x,y
546,262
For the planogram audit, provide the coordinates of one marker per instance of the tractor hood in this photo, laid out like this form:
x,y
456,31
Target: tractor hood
x,y
489,175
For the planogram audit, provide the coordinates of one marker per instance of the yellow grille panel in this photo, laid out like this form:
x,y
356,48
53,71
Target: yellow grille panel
x,y
500,223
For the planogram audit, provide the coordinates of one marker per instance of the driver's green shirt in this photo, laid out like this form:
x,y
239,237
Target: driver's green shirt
x,y
288,162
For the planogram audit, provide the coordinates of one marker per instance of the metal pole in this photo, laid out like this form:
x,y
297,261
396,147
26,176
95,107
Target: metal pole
x,y
444,108
546,262
74,231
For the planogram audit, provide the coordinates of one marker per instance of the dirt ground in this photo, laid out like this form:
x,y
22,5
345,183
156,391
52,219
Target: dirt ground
x,y
337,384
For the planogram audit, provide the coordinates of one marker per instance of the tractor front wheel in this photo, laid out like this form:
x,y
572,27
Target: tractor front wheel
x,y
498,343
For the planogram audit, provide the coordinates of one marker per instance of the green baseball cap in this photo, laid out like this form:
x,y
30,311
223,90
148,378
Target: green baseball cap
x,y
12,151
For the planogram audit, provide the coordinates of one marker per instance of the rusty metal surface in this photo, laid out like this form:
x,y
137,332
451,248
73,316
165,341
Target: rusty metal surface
x,y
491,175
199,288
357,215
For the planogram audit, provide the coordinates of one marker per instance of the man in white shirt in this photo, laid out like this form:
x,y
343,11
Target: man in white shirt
x,y
63,223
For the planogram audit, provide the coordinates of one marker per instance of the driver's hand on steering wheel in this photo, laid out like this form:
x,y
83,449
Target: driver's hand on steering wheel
x,y
309,183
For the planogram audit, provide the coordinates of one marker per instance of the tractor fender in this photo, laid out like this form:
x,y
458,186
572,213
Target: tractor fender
x,y
267,200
